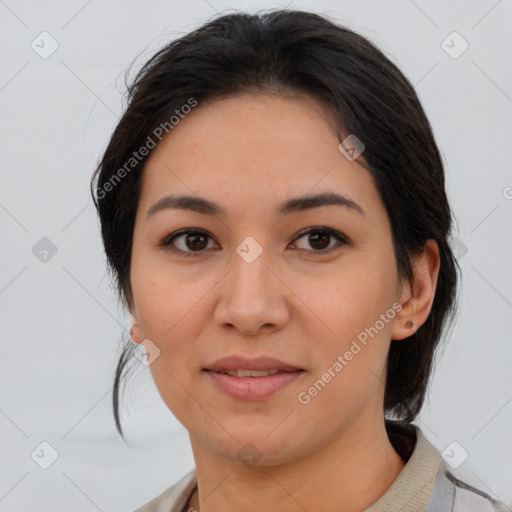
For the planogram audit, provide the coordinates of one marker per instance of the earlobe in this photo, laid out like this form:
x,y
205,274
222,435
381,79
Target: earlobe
x,y
136,333
419,295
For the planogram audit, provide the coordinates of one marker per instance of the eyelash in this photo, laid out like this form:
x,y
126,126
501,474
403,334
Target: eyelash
x,y
342,240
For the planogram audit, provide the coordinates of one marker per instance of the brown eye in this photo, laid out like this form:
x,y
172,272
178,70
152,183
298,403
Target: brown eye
x,y
320,238
196,241
188,241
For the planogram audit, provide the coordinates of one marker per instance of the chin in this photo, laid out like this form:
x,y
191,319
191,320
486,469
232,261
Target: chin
x,y
272,448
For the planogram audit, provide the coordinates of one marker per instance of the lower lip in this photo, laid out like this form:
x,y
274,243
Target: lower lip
x,y
253,388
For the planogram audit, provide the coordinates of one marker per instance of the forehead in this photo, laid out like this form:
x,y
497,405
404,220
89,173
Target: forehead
x,y
250,150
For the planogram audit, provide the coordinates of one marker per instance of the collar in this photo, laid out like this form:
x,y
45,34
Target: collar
x,y
410,492
412,489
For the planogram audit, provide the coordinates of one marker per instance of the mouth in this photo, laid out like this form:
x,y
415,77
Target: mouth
x,y
252,385
254,365
251,378
254,373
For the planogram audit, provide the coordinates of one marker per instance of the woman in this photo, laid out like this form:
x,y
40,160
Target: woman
x,y
273,209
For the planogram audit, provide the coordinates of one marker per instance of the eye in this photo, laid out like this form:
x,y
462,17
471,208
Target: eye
x,y
320,237
194,239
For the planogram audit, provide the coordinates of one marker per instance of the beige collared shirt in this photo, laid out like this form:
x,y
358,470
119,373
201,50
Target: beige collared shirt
x,y
423,485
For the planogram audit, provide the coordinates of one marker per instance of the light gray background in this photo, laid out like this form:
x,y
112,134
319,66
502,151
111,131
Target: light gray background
x,y
61,324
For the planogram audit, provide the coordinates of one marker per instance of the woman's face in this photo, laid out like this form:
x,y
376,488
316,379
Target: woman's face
x,y
260,281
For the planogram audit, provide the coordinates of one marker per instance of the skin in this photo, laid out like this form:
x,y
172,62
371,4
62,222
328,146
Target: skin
x,y
248,153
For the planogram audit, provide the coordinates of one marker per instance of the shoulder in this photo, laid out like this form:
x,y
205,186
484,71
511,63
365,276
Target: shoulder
x,y
447,493
470,498
173,499
454,495
426,482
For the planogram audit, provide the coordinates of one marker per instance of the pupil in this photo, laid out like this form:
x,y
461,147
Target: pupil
x,y
325,236
194,238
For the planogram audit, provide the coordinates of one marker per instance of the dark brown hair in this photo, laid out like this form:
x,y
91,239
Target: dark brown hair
x,y
297,52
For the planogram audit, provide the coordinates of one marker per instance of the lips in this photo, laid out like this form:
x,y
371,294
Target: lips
x,y
258,364
250,373
252,379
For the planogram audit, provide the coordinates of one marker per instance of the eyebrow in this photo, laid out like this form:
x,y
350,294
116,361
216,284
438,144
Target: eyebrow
x,y
296,204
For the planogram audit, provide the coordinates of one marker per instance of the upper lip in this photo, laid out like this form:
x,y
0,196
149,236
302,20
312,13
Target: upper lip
x,y
235,362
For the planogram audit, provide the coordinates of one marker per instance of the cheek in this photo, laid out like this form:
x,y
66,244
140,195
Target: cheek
x,y
166,301
171,314
354,317
350,299
171,318
350,360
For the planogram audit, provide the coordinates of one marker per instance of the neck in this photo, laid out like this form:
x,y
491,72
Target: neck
x,y
354,470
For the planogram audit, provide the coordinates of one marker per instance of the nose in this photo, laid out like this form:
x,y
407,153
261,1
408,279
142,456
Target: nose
x,y
253,297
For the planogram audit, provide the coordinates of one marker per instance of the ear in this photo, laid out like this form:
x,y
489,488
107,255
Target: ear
x,y
417,297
